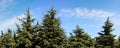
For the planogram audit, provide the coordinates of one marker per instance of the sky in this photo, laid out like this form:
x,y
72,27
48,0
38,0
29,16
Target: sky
x,y
90,15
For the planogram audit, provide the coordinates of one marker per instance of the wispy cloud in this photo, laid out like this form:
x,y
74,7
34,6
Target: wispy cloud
x,y
10,22
5,4
85,12
98,17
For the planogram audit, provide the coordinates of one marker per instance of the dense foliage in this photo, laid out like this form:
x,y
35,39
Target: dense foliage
x,y
106,39
49,34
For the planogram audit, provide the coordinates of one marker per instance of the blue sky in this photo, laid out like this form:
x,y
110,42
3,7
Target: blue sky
x,y
88,14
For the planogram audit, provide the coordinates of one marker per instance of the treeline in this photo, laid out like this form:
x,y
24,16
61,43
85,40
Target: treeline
x,y
49,34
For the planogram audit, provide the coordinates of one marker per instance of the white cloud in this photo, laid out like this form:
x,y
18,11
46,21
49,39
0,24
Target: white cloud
x,y
10,22
86,12
5,4
98,18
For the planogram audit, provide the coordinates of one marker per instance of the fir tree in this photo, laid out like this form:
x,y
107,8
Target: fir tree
x,y
51,35
36,38
26,34
7,40
117,43
80,39
106,38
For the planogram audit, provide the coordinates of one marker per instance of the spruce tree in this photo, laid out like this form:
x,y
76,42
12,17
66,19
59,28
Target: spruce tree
x,y
117,43
80,39
26,33
7,40
51,35
36,38
106,39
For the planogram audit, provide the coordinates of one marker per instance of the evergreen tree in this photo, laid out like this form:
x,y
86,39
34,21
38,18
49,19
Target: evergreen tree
x,y
51,35
7,40
106,38
117,43
27,33
36,38
80,39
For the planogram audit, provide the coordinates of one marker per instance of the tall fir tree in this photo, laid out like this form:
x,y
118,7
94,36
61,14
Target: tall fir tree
x,y
80,39
51,35
106,39
26,33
